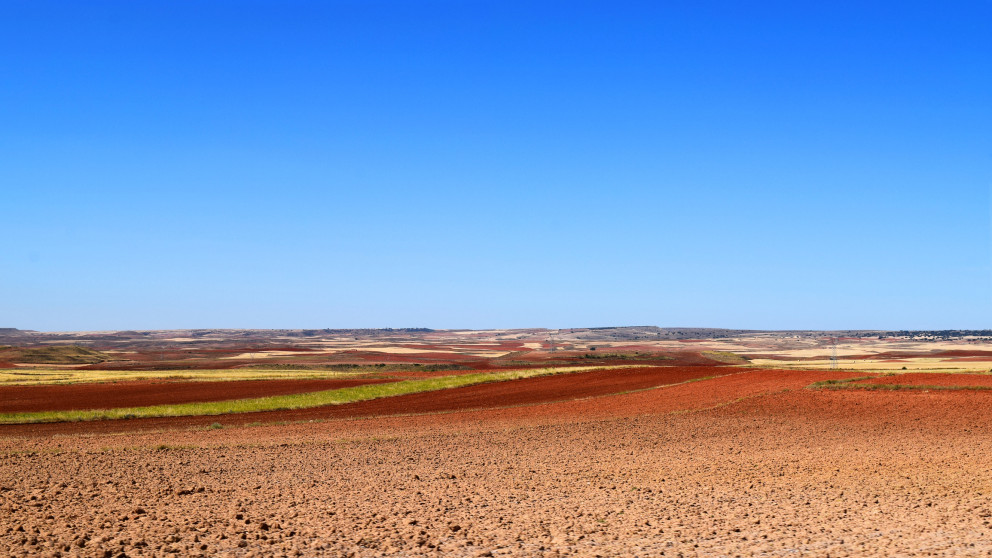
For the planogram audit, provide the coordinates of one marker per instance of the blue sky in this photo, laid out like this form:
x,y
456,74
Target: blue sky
x,y
470,164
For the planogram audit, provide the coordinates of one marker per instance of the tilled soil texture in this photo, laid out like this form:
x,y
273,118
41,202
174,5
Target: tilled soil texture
x,y
66,397
798,472
528,391
923,379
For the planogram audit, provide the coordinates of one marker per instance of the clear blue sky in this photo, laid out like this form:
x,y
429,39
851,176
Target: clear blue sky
x,y
474,164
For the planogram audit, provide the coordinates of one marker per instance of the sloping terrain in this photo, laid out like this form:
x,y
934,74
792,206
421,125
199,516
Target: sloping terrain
x,y
777,473
674,454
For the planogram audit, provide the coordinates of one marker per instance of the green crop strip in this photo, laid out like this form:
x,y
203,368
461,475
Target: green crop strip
x,y
289,402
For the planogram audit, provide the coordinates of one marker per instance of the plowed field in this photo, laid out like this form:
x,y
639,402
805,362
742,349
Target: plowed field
x,y
749,463
922,379
65,397
529,391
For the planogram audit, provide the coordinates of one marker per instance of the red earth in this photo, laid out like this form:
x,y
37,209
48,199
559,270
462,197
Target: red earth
x,y
761,467
562,397
943,380
66,397
528,391
876,411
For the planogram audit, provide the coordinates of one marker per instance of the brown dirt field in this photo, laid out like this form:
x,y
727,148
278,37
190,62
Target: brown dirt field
x,y
18,399
950,380
773,473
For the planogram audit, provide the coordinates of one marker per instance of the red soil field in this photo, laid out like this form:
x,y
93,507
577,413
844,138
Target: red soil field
x,y
736,385
549,398
948,380
964,353
758,470
876,412
528,391
66,397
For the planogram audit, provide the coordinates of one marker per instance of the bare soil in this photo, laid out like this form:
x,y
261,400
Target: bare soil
x,y
796,472
923,379
135,393
528,391
750,463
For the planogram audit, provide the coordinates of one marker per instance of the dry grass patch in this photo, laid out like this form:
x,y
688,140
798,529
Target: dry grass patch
x,y
726,357
921,364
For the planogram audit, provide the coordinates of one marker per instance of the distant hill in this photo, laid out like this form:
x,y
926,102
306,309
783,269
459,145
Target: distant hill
x,y
241,339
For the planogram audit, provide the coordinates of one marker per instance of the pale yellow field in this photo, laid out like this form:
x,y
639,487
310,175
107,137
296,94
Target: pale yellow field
x,y
260,354
910,364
